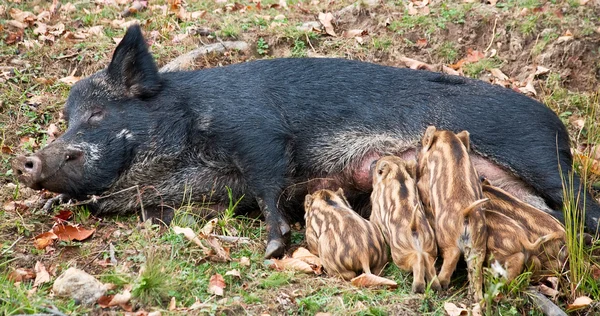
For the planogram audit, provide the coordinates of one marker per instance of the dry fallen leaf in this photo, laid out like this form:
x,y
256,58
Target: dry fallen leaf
x,y
21,274
43,240
41,274
548,291
354,33
189,234
289,264
474,55
541,70
208,228
326,19
415,64
69,232
70,80
579,303
172,304
306,256
234,272
421,43
498,74
245,261
454,310
216,285
371,280
568,36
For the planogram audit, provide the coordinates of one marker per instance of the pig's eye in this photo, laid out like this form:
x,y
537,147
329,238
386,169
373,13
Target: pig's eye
x,y
96,116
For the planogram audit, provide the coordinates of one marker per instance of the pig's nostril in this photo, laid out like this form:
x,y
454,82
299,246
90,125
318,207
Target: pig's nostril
x,y
28,165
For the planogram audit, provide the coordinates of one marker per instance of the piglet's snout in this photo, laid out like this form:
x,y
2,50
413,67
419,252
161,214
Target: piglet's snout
x,y
28,169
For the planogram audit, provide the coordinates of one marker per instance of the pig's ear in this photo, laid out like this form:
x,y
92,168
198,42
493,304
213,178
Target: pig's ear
x,y
411,167
133,67
464,138
428,137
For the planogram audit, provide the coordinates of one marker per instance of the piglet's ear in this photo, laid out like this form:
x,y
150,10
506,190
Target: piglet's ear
x,y
428,137
464,138
132,66
308,202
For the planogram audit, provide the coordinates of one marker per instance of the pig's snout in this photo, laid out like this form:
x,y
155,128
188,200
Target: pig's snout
x,y
33,170
28,169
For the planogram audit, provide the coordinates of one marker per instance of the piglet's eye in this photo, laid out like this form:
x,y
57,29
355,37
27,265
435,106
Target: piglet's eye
x,y
96,116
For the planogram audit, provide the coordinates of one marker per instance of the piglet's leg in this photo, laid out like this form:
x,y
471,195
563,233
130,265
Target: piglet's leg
x,y
514,265
451,257
430,275
418,285
474,261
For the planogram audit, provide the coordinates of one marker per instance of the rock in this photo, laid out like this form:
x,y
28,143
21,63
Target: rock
x,y
79,285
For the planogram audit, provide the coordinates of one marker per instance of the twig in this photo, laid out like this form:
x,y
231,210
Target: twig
x,y
185,59
546,305
493,35
111,253
231,239
13,244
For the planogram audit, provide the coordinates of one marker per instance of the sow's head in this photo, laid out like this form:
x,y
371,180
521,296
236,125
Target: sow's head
x,y
109,115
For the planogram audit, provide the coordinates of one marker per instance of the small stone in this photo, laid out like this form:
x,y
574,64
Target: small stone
x,y
79,285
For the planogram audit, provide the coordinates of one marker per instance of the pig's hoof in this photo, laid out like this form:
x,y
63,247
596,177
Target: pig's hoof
x,y
435,285
275,249
418,287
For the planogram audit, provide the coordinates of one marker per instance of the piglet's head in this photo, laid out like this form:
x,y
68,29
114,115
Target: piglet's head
x,y
108,115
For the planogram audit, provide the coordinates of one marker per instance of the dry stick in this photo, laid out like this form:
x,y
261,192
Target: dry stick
x,y
493,35
187,58
13,244
543,303
232,239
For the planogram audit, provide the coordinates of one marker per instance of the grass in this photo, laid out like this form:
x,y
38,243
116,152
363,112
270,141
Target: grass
x,y
146,254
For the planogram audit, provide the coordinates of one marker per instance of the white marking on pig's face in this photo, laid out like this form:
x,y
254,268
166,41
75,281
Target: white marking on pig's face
x,y
91,152
125,133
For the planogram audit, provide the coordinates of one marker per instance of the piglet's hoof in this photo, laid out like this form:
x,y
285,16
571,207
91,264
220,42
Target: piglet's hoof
x,y
275,249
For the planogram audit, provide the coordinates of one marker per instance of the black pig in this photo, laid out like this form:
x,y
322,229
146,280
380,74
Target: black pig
x,y
268,129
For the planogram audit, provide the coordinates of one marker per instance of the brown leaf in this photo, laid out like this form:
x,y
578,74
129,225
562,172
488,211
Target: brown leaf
x,y
216,285
14,37
221,255
371,280
474,55
21,274
326,19
15,206
70,80
415,64
540,70
43,240
548,291
234,272
208,228
172,304
290,264
579,303
568,36
7,150
189,234
245,261
454,310
41,274
354,33
52,132
315,262
69,232
22,16
498,74
421,43
450,71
